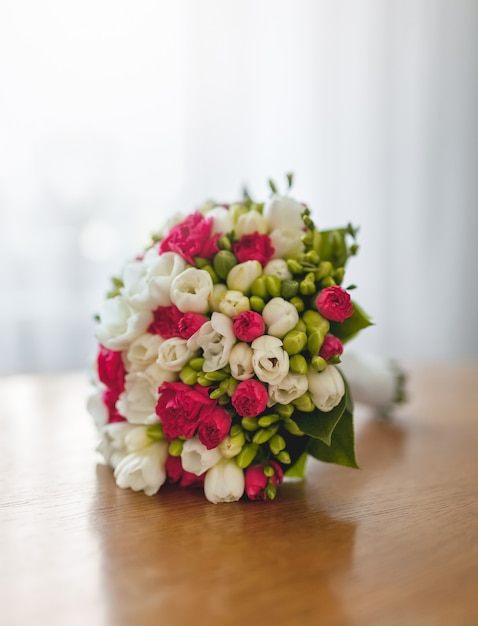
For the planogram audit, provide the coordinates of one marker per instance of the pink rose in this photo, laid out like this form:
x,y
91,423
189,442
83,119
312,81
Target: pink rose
x,y
190,238
334,304
253,247
190,323
331,346
110,397
177,475
250,398
179,406
111,369
214,425
165,322
248,326
256,481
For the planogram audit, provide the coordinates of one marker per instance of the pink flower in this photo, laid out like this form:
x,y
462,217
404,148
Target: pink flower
x,y
334,304
250,398
248,326
110,397
179,406
256,481
331,346
111,369
214,425
253,247
176,474
190,323
190,238
165,322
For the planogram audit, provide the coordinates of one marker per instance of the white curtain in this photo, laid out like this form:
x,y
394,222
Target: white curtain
x,y
115,114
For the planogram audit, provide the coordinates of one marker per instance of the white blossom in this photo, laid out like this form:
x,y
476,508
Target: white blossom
x,y
224,482
196,458
240,361
326,387
269,360
191,290
242,275
289,388
120,323
280,316
215,338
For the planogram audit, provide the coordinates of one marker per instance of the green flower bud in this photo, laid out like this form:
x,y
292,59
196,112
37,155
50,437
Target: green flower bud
x,y
202,380
325,269
258,287
276,444
294,342
289,289
269,471
267,420
231,446
216,377
197,363
209,269
224,261
283,457
307,239
155,432
314,321
298,364
294,266
338,275
284,410
298,303
250,423
316,241
318,363
231,386
188,375
328,281
292,427
217,394
315,341
247,455
224,244
312,257
200,262
257,304
264,434
301,326
273,285
235,430
176,447
270,491
304,403
307,285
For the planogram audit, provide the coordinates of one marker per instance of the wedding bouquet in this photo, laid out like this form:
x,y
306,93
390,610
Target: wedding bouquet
x,y
218,352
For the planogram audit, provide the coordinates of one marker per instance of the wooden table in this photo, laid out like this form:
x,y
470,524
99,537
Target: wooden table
x,y
393,543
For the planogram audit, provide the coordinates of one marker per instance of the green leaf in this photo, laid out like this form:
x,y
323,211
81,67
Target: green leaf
x,y
342,448
350,327
298,469
318,424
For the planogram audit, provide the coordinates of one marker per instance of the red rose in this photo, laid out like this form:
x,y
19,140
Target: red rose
x,y
176,474
111,369
248,326
334,304
214,425
190,238
110,397
165,322
331,346
189,323
178,408
253,247
250,398
256,481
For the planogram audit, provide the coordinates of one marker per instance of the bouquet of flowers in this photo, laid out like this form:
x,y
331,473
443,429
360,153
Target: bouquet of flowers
x,y
218,352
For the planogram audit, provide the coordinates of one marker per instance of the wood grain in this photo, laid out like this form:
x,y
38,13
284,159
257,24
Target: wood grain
x,y
393,543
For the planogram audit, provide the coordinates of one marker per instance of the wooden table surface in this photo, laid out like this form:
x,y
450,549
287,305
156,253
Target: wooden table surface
x,y
393,543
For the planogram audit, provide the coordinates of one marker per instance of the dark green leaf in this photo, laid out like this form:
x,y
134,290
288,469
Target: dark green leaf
x,y
318,424
342,448
350,327
298,469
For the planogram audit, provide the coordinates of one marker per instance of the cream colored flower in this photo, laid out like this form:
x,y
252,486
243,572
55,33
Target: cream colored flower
x,y
224,482
326,388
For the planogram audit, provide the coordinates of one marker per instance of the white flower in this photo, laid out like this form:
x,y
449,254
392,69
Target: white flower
x,y
97,408
269,360
112,445
173,354
286,242
224,482
289,388
233,303
278,267
284,213
326,388
138,400
251,222
196,458
218,293
230,447
143,469
280,316
222,220
191,290
143,351
240,361
162,272
215,338
120,323
242,275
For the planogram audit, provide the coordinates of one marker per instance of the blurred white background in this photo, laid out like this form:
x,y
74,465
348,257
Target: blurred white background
x,y
114,114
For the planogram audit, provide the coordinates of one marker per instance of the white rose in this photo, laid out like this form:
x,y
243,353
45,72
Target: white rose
x,y
284,213
278,267
215,338
326,388
242,275
289,388
286,242
138,400
251,222
240,361
191,290
269,360
280,316
224,482
196,458
173,354
222,220
143,469
218,293
112,445
120,323
233,303
143,351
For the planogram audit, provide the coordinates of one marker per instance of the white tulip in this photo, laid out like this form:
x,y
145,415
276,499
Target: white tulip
x,y
326,387
278,267
163,270
143,469
224,482
120,323
242,275
251,222
191,290
269,360
233,303
143,351
215,338
222,220
280,316
240,361
138,400
173,354
196,458
286,242
289,388
284,213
